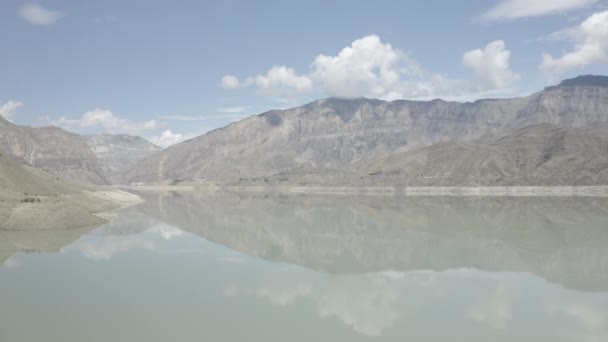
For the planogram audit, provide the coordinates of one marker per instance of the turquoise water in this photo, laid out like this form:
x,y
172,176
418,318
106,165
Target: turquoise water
x,y
194,267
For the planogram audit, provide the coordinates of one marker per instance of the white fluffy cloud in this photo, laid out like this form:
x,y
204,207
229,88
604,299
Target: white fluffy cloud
x,y
374,69
515,9
38,15
168,138
8,109
105,248
491,64
230,82
107,121
590,40
368,67
281,81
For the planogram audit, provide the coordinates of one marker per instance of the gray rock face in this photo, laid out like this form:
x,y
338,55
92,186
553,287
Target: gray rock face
x,y
334,134
538,155
119,152
60,152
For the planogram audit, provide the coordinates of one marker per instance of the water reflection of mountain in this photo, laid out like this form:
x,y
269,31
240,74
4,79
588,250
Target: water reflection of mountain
x,y
561,239
50,241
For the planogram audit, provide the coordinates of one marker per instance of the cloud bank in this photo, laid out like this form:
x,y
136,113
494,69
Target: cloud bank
x,y
374,69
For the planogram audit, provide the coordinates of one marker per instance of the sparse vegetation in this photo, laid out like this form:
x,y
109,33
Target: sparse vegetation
x,y
31,200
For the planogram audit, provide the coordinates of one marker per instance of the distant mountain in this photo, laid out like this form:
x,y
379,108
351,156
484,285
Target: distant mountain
x,y
93,159
54,149
119,152
339,134
542,154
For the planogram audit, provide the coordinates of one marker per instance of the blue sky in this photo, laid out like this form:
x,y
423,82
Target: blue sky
x,y
168,70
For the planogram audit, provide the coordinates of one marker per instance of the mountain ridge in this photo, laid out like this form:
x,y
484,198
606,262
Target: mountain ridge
x,y
333,134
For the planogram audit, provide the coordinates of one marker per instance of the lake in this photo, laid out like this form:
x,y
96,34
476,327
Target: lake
x,y
270,267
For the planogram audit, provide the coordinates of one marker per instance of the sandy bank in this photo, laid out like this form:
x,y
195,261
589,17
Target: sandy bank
x,y
63,211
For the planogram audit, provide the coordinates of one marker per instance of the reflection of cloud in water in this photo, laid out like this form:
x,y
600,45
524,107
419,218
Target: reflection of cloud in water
x,y
166,231
106,248
372,303
109,241
493,308
231,290
12,262
368,305
285,296
592,321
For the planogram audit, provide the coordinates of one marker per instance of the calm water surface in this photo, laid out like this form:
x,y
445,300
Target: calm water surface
x,y
193,267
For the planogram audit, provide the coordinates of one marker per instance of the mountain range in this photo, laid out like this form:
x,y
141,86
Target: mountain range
x,y
360,136
553,137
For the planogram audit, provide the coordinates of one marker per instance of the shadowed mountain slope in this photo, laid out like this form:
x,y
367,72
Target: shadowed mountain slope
x,y
538,155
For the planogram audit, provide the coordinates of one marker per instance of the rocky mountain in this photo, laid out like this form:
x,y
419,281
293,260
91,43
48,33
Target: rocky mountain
x,y
93,159
54,149
119,152
542,154
339,134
